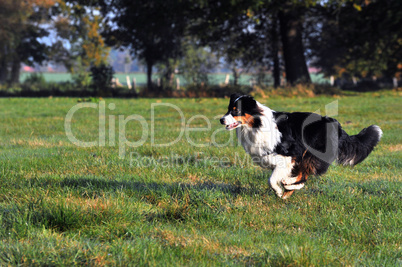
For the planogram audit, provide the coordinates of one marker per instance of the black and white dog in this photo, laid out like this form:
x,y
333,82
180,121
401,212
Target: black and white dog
x,y
295,145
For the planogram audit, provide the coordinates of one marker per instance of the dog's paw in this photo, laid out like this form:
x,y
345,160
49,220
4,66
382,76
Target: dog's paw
x,y
288,181
287,194
278,192
294,186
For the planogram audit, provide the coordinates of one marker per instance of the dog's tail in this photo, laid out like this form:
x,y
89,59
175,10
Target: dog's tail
x,y
354,149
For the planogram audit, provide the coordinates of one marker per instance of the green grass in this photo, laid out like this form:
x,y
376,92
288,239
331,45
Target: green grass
x,y
63,205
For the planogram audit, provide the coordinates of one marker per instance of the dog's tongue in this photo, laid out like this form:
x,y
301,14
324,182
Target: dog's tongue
x,y
231,126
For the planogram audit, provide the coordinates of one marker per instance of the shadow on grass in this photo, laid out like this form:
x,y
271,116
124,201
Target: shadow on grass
x,y
175,202
103,185
97,185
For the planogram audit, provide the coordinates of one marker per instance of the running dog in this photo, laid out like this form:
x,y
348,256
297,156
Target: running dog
x,y
294,145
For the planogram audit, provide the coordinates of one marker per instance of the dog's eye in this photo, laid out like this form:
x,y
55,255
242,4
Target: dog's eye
x,y
236,112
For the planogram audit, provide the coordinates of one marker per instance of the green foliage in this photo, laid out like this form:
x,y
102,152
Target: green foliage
x,y
82,80
360,39
167,73
35,82
197,63
35,78
20,36
102,76
6,90
152,29
81,25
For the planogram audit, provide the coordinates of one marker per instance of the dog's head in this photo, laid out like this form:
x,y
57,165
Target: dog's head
x,y
244,111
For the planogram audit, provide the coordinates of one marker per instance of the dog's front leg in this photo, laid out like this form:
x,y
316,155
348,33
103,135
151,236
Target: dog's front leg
x,y
283,170
276,181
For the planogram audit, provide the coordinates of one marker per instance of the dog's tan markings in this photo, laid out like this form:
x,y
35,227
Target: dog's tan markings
x,y
307,167
239,118
287,194
246,119
249,120
299,178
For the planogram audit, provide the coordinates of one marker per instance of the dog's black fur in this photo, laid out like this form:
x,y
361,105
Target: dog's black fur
x,y
324,135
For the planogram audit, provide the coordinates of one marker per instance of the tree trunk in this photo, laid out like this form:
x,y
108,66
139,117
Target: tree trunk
x,y
3,71
168,76
3,65
291,26
275,51
15,70
149,76
235,76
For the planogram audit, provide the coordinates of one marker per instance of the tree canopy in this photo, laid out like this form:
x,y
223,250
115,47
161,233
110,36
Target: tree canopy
x,y
360,38
19,35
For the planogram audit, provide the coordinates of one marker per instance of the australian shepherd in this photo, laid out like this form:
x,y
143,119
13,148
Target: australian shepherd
x,y
294,145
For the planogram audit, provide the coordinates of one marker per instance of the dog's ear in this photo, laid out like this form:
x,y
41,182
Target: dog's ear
x,y
249,104
247,99
235,96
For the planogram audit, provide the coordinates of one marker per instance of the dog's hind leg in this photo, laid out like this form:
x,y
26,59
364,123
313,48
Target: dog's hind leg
x,y
294,186
294,183
293,179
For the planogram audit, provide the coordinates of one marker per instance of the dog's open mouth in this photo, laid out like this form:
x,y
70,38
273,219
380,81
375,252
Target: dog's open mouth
x,y
233,125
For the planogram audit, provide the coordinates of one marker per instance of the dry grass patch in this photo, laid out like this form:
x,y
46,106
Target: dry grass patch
x,y
205,244
394,148
37,143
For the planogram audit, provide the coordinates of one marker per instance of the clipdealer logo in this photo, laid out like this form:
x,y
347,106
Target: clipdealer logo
x,y
148,129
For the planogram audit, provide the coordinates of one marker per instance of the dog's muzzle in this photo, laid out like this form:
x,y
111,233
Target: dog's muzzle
x,y
230,122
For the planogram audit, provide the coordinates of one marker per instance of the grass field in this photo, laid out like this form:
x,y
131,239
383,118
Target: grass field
x,y
198,201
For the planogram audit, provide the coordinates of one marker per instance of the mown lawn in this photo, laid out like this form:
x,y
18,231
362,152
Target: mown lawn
x,y
197,201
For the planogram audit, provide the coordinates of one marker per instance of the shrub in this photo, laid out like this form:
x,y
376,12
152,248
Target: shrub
x,y
102,76
35,83
5,90
82,80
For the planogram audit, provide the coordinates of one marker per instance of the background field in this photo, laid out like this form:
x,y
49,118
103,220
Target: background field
x,y
61,204
141,78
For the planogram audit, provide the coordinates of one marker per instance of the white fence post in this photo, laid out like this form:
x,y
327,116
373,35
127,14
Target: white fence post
x,y
227,79
395,82
128,82
118,84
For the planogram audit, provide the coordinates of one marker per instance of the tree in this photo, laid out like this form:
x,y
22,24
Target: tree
x,y
197,63
152,29
227,27
249,31
361,38
291,28
102,76
21,29
80,23
26,22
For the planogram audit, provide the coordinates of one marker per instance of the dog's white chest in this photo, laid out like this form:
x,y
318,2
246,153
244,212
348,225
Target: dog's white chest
x,y
260,143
